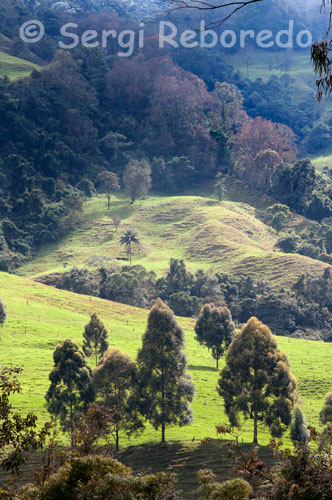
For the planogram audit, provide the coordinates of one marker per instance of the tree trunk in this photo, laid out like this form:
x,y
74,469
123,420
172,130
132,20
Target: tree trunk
x,y
108,201
130,254
255,441
163,440
217,363
117,441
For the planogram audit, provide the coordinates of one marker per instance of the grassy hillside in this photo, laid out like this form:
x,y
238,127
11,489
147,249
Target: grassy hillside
x,y
39,317
15,68
227,237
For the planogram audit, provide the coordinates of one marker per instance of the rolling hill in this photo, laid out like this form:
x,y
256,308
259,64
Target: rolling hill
x,y
227,237
39,317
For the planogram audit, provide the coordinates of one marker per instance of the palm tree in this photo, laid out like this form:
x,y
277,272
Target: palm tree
x,y
127,239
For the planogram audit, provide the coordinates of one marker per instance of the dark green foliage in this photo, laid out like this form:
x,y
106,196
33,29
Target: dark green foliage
x,y
184,304
95,338
256,381
273,100
78,280
326,413
3,313
293,185
115,380
137,179
215,329
172,176
299,431
166,389
131,285
100,477
178,279
71,388
320,207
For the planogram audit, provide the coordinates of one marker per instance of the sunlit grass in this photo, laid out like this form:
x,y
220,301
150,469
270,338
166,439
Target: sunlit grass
x,y
39,317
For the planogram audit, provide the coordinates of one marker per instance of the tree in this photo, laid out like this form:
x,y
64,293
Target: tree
x,y
128,239
260,145
326,412
92,426
116,222
165,387
184,304
256,381
71,388
215,329
299,431
108,183
3,313
278,215
114,381
219,186
18,434
137,179
95,338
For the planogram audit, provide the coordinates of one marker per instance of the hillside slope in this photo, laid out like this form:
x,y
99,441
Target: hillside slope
x,y
39,317
227,237
15,68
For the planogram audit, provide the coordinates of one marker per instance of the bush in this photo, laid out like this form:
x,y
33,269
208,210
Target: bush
x,y
184,304
95,477
210,489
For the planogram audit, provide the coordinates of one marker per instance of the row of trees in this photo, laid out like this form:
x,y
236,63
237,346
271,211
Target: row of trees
x,y
157,388
256,382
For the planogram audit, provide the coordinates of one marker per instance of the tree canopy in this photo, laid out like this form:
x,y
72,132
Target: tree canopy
x,y
166,389
256,381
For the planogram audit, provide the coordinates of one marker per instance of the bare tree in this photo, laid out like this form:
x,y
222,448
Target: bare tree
x,y
231,7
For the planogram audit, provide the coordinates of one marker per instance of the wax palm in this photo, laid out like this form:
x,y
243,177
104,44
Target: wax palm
x,y
128,239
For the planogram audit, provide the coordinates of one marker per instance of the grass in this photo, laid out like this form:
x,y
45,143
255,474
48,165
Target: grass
x,y
15,68
227,237
39,317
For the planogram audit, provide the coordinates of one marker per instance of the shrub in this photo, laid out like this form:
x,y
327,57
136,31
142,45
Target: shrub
x,y
210,489
94,477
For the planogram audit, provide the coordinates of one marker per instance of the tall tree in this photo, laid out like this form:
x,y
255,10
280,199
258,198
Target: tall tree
x,y
215,329
137,179
3,313
165,387
95,338
108,183
256,381
115,380
219,186
299,431
128,239
71,387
